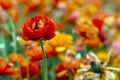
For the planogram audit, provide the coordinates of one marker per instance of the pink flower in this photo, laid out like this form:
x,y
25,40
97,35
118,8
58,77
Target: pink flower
x,y
115,46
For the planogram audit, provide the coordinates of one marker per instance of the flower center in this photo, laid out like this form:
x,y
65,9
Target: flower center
x,y
38,25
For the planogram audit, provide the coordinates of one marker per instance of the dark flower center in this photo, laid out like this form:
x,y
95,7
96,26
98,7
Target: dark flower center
x,y
37,25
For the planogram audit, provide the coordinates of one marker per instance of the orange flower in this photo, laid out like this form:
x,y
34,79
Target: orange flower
x,y
31,5
13,58
14,14
75,64
35,53
6,4
90,29
23,65
86,29
95,42
38,27
55,3
68,61
68,66
7,69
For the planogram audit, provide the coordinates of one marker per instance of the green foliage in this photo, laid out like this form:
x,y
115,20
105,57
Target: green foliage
x,y
6,78
3,47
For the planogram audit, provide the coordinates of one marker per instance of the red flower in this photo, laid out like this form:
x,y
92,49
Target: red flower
x,y
6,4
62,73
30,9
98,23
33,70
7,69
102,37
35,53
38,27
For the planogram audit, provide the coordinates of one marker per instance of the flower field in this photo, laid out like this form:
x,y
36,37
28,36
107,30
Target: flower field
x,y
59,40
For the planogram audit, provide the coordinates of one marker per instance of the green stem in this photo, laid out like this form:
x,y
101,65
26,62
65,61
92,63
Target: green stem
x,y
84,53
15,50
45,70
71,77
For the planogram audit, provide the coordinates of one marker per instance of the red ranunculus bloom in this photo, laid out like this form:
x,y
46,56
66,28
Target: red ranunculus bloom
x,y
38,27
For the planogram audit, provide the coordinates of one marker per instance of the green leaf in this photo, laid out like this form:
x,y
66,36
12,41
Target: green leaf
x,y
10,26
3,47
95,68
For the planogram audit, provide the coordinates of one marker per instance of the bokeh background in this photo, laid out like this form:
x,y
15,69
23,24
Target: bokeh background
x,y
86,45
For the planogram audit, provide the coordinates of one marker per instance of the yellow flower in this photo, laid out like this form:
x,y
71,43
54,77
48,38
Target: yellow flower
x,y
117,35
26,43
116,61
91,10
61,56
102,56
77,76
60,49
109,20
61,39
79,2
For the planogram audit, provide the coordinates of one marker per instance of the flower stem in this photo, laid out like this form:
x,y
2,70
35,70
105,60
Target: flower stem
x,y
45,70
71,77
